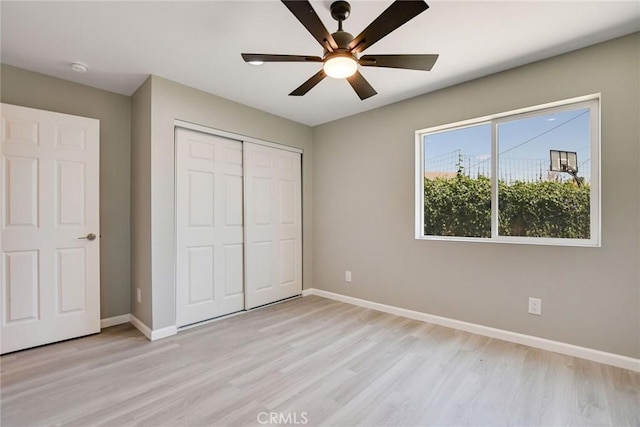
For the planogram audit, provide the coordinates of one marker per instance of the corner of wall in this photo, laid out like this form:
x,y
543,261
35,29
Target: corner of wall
x,y
141,204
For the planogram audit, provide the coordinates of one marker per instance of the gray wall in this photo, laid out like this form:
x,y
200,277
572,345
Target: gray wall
x,y
170,101
363,190
141,202
29,89
363,207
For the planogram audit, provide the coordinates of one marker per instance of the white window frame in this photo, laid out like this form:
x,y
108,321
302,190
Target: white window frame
x,y
589,101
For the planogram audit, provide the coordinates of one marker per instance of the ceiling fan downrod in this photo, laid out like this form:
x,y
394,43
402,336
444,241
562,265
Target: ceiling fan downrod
x,y
340,11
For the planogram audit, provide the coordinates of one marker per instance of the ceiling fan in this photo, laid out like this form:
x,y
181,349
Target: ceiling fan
x,y
341,50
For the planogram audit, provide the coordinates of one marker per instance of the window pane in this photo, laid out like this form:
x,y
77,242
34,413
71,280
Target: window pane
x,y
457,186
544,173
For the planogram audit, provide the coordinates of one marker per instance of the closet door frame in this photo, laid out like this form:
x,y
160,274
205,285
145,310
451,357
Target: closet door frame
x,y
236,136
229,135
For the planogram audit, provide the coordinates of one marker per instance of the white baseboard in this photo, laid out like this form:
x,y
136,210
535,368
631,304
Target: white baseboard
x,y
146,331
153,334
156,334
612,359
113,321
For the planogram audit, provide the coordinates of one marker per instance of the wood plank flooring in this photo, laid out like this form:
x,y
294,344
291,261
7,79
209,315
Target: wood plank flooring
x,y
314,360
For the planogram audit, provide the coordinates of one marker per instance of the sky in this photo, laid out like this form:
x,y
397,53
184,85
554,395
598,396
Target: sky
x,y
523,145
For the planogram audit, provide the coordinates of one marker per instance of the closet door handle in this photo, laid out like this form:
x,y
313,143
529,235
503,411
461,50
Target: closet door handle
x,y
91,237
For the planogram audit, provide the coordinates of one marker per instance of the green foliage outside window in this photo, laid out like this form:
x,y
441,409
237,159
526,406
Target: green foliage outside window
x,y
461,206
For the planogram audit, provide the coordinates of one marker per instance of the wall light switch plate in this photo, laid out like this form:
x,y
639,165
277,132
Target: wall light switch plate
x,y
139,295
347,276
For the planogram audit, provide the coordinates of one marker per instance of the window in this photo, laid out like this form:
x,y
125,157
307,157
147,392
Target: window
x,y
527,176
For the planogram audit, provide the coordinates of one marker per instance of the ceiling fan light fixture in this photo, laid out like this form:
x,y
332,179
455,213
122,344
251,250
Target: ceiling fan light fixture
x,y
340,66
256,62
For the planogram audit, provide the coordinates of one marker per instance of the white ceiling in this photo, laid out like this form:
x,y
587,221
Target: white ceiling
x,y
199,44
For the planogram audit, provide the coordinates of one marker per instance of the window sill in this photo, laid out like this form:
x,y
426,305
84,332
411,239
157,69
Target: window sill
x,y
540,241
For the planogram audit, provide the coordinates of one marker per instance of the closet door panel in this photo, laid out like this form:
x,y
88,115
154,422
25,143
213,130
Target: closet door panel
x,y
209,229
273,224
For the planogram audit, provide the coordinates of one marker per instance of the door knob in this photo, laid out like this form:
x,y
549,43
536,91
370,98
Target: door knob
x,y
91,237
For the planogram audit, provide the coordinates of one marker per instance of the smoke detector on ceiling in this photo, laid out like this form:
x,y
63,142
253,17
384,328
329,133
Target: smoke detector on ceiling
x,y
79,67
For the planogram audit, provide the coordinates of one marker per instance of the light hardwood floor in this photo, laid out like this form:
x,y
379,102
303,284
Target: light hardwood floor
x,y
320,361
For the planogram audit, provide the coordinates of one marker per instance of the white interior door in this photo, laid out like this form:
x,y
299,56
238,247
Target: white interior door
x,y
50,271
209,241
273,224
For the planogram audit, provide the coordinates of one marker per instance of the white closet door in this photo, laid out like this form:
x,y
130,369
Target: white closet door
x,y
50,270
209,241
273,224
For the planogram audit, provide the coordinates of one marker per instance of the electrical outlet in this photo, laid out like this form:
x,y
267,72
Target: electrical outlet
x,y
347,276
139,295
535,306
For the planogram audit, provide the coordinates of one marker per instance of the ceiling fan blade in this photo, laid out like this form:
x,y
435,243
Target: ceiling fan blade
x,y
396,15
308,17
361,86
407,62
309,84
250,57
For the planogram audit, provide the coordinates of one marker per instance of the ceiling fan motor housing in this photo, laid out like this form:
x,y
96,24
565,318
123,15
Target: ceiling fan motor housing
x,y
342,39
